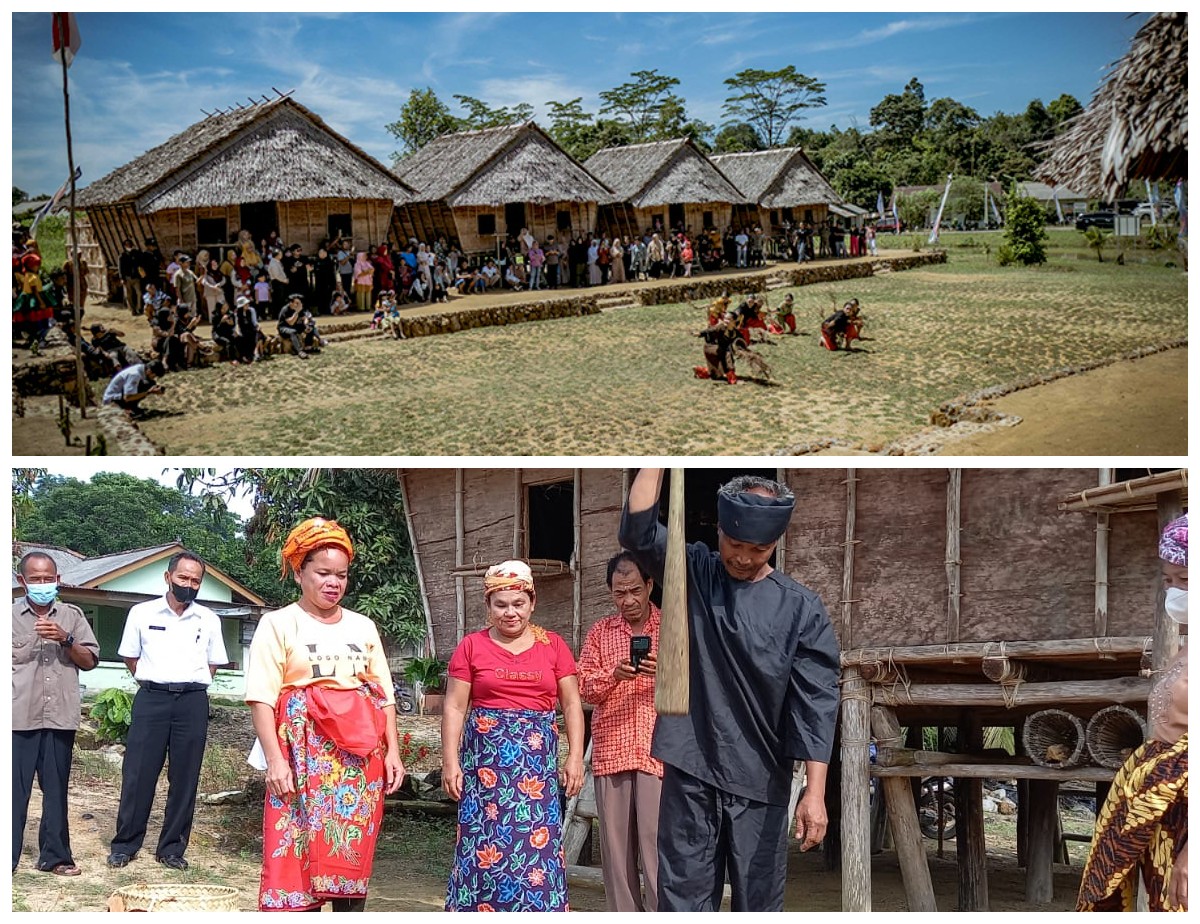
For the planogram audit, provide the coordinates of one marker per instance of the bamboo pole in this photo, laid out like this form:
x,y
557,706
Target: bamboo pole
x,y
1100,626
460,543
672,686
902,817
518,513
430,643
1166,630
962,652
1007,770
1125,492
781,545
953,554
81,384
855,810
1118,690
577,563
847,634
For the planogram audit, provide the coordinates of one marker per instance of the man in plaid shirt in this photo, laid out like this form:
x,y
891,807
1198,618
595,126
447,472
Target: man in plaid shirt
x,y
628,779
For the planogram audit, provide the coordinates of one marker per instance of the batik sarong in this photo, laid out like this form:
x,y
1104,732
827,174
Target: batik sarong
x,y
1139,828
509,855
319,842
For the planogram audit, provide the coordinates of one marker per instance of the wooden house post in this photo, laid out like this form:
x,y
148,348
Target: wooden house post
x,y
577,563
847,633
953,553
430,642
518,513
781,546
1166,631
1102,537
856,789
460,541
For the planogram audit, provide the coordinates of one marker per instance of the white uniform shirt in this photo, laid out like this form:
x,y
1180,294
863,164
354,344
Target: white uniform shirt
x,y
126,383
172,648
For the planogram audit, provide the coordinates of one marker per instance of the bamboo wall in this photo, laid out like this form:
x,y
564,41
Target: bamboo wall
x,y
542,221
102,281
761,216
1026,570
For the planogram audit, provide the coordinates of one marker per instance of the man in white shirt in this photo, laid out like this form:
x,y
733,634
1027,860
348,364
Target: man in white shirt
x,y
133,383
742,240
173,647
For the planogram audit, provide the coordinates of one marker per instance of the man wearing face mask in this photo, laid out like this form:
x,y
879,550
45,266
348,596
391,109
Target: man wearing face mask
x,y
52,643
173,647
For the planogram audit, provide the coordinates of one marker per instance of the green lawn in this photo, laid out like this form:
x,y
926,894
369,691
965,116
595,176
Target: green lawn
x,y
621,383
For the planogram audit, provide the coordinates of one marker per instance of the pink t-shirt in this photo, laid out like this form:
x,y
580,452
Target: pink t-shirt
x,y
502,680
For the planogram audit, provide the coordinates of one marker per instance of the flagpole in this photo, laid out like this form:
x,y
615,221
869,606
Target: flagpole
x,y
80,378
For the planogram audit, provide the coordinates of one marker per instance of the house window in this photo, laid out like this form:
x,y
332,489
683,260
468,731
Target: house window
x,y
564,220
339,226
708,219
486,224
787,216
550,533
774,217
211,231
246,631
808,215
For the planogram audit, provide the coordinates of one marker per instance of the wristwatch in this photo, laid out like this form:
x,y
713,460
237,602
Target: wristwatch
x,y
69,641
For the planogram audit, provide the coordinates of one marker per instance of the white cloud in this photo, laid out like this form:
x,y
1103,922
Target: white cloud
x,y
890,30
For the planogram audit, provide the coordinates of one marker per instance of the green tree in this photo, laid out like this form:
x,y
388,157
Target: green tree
x,y
1039,122
581,134
422,118
1025,229
19,195
1063,109
645,105
736,138
898,117
771,101
481,115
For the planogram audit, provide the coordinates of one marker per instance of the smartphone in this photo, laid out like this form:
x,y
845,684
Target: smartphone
x,y
639,647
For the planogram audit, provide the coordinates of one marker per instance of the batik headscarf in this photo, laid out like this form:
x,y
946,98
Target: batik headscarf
x,y
314,533
508,575
755,518
1172,547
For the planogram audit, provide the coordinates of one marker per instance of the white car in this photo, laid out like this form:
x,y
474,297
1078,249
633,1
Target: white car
x,y
1143,212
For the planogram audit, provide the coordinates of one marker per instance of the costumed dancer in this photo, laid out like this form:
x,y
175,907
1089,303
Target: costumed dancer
x,y
719,343
32,313
842,327
783,318
1142,828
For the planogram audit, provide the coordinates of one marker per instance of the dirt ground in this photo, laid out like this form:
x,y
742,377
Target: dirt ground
x,y
408,874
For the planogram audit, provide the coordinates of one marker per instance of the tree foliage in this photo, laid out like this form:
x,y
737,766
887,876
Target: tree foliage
x,y
423,117
736,138
480,115
645,106
770,101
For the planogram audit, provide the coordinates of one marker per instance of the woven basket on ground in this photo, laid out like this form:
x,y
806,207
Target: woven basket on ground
x,y
172,897
1054,738
1113,734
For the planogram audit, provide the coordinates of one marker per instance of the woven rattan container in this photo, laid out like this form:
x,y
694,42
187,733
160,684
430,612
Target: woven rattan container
x,y
1054,738
174,897
1113,734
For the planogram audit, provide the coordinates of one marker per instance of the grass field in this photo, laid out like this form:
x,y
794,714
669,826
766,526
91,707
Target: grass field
x,y
621,383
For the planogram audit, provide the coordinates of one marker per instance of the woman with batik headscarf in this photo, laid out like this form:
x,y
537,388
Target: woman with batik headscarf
x,y
500,753
324,710
1142,826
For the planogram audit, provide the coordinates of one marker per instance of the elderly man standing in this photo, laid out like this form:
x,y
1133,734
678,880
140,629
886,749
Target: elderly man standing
x,y
628,779
764,693
52,643
173,647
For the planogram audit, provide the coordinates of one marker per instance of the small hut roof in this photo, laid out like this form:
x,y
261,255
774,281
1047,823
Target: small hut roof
x,y
660,173
779,178
277,150
1136,124
494,166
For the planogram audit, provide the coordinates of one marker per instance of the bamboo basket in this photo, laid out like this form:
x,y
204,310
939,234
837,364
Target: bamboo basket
x,y
1054,738
1113,734
172,897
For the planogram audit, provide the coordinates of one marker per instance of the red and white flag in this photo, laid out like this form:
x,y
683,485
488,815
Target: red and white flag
x,y
65,35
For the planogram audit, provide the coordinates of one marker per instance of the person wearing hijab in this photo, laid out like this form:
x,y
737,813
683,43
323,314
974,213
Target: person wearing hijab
x,y
364,273
324,711
1142,827
764,693
500,753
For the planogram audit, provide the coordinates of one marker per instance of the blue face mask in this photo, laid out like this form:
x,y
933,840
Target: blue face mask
x,y
42,594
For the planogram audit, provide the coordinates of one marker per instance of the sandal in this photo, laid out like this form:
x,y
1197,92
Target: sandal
x,y
63,869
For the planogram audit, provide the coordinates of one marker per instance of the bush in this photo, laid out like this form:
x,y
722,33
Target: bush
x,y
1005,255
430,673
1025,230
113,713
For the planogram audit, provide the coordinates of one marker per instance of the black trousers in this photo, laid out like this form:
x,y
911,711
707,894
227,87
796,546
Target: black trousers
x,y
704,834
163,724
47,753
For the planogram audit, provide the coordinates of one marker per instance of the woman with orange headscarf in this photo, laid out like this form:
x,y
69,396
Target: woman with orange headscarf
x,y
324,710
500,753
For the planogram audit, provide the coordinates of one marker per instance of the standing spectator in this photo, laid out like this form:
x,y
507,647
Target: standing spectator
x,y
637,259
364,272
214,292
872,249
425,266
262,296
628,779
686,256
186,284
553,258
616,252
279,280
742,240
656,255
131,279
151,263
295,264
345,264
324,275
604,261
52,643
173,647
537,259
247,333
385,270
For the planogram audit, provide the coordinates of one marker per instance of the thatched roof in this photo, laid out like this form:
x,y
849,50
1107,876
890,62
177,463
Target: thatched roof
x,y
661,173
494,166
1136,124
781,178
273,151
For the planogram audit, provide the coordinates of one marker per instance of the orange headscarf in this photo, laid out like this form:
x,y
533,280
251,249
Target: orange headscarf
x,y
314,533
508,575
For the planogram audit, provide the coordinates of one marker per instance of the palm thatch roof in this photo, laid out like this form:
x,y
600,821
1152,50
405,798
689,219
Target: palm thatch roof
x,y
493,166
661,173
781,178
272,151
1136,124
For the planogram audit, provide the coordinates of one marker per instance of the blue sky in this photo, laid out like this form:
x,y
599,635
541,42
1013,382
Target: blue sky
x,y
140,78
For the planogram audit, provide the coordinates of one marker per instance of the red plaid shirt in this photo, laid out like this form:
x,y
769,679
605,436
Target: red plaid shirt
x,y
623,720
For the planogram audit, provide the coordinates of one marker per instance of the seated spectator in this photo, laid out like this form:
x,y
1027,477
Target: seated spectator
x,y
109,342
297,324
340,303
132,385
490,274
512,280
441,283
224,329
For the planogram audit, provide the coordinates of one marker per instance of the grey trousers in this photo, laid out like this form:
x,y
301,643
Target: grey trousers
x,y
627,804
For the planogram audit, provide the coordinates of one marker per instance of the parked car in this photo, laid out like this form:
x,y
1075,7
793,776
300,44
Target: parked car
x,y
889,225
1144,212
1095,220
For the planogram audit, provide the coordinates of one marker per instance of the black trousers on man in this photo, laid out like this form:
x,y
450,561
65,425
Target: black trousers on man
x,y
45,752
705,833
163,722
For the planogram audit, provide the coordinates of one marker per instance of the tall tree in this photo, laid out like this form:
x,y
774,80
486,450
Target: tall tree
x,y
900,116
771,101
1063,109
736,138
481,115
645,105
422,118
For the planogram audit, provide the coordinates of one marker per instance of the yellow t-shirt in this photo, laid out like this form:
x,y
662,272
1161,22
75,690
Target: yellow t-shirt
x,y
291,649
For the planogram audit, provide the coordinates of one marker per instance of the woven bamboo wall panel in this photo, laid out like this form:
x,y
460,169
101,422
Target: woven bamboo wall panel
x,y
1133,567
816,534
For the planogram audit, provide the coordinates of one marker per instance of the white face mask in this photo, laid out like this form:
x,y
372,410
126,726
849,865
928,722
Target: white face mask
x,y
1176,604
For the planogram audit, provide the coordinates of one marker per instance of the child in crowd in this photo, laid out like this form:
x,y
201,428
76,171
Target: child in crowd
x,y
262,297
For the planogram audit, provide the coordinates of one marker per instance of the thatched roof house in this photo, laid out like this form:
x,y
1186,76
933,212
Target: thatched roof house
x,y
270,166
1136,125
481,185
783,186
662,184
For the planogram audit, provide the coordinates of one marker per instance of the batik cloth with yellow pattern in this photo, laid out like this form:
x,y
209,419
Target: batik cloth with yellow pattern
x,y
1141,827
